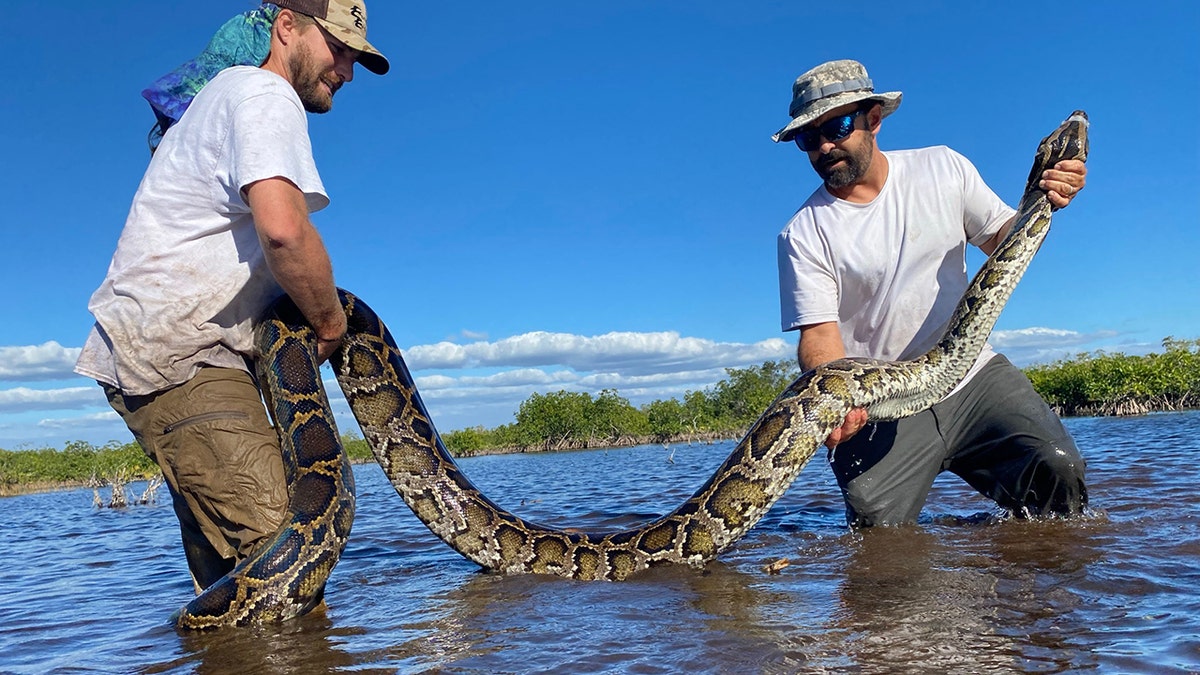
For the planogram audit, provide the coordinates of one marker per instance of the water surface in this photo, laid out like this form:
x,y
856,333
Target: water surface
x,y
84,589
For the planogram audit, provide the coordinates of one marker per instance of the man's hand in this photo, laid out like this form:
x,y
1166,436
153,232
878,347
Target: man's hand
x,y
855,420
1064,181
821,343
327,348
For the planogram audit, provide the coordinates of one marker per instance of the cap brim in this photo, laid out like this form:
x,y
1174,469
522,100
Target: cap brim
x,y
368,56
890,100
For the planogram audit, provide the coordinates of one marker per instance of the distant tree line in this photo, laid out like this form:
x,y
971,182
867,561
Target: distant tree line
x,y
570,420
1099,383
83,464
78,463
1096,383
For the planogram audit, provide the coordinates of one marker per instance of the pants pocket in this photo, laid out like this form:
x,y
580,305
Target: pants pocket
x,y
229,468
205,417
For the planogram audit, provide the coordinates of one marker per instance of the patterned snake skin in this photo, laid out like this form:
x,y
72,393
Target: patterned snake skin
x,y
286,577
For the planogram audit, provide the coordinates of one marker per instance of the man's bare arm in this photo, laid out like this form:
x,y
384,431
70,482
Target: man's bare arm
x,y
821,343
297,257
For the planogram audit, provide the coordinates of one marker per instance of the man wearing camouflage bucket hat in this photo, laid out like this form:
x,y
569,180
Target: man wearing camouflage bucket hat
x,y
219,228
872,265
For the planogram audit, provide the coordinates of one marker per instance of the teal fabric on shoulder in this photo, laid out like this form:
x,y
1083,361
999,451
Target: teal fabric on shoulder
x,y
244,40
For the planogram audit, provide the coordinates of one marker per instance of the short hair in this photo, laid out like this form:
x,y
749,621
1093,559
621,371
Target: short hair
x,y
303,21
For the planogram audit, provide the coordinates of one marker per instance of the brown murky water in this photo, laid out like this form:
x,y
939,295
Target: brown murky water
x,y
90,590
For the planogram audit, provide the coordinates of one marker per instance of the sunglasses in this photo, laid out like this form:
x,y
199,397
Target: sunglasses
x,y
809,138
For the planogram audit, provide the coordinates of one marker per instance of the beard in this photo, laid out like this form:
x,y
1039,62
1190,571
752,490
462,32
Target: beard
x,y
856,162
310,82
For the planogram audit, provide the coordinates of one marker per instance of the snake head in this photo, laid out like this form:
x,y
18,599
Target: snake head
x,y
1072,142
1068,141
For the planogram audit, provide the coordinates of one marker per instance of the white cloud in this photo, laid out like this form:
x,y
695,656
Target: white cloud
x,y
521,377
80,422
47,361
641,366
632,353
483,383
1035,345
21,399
1035,337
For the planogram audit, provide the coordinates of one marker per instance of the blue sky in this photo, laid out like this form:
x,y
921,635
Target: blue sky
x,y
567,195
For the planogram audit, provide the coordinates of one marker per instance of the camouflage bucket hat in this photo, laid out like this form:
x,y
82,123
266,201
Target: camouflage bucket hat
x,y
828,86
345,20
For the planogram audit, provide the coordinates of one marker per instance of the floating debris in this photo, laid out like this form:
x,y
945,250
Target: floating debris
x,y
775,567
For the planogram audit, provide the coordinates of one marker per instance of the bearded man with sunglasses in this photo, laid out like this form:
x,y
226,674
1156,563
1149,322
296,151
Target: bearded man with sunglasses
x,y
873,265
219,228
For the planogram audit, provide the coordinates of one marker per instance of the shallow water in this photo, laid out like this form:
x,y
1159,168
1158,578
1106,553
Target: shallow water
x,y
84,589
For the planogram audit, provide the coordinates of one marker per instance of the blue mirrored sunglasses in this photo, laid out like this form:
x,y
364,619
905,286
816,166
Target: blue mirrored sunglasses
x,y
809,138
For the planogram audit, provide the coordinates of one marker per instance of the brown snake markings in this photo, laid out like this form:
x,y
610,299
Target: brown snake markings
x,y
286,577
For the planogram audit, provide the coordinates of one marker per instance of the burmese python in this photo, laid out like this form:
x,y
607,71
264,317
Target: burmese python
x,y
287,576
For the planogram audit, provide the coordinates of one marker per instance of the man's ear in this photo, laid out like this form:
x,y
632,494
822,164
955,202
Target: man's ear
x,y
284,27
874,117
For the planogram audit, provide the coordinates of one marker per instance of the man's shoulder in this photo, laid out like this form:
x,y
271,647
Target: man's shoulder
x,y
803,217
932,153
239,83
935,163
242,74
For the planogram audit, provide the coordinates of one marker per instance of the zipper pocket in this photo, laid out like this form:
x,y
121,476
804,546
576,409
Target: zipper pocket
x,y
205,417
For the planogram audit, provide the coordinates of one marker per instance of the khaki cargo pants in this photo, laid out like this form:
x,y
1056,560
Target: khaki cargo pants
x,y
220,457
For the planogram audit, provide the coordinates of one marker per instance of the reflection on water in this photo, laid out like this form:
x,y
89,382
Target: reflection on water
x,y
90,590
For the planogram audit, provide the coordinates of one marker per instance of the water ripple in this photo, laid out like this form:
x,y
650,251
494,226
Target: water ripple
x,y
90,590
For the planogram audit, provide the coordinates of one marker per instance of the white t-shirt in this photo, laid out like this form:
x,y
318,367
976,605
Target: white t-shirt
x,y
188,280
891,271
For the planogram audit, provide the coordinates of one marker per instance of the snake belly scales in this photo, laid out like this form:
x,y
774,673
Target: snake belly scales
x,y
286,576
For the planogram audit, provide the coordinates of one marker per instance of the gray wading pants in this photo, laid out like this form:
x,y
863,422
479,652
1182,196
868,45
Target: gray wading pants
x,y
996,433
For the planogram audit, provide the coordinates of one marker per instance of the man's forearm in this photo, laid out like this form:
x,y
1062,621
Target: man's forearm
x,y
301,265
811,358
296,255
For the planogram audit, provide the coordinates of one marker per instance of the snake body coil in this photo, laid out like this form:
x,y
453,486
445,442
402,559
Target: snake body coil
x,y
286,576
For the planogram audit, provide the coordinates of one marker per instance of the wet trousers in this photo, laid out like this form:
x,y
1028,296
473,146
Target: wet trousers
x,y
996,433
220,457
